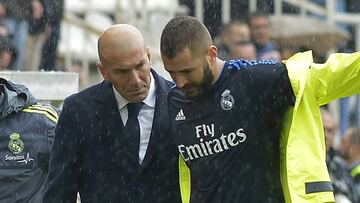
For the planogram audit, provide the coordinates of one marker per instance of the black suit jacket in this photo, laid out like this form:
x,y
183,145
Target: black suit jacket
x,y
90,154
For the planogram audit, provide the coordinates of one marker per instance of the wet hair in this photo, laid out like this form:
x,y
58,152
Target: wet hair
x,y
184,32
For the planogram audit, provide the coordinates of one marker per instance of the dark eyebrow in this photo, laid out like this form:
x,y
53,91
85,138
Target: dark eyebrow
x,y
188,69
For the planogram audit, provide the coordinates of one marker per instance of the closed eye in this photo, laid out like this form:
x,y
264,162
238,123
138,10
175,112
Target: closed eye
x,y
121,71
141,64
186,71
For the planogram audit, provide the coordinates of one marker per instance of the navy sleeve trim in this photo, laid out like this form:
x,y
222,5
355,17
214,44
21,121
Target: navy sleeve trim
x,y
321,186
242,63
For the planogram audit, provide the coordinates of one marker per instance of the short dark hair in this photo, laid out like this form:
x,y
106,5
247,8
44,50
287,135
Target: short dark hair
x,y
227,28
184,32
256,14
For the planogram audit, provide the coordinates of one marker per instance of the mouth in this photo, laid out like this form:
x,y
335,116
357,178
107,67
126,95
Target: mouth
x,y
136,90
189,91
136,95
187,87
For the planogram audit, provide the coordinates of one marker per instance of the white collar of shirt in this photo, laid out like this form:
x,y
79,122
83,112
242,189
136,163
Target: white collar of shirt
x,y
149,100
145,116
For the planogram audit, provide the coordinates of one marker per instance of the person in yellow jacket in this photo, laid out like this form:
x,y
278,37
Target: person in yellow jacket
x,y
250,131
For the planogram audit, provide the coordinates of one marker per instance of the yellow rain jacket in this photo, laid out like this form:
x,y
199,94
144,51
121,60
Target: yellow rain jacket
x,y
303,172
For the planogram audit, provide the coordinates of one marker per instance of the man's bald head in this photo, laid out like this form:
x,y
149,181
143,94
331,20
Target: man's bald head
x,y
125,62
120,39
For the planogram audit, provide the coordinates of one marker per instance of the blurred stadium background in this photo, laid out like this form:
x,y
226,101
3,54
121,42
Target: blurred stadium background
x,y
307,23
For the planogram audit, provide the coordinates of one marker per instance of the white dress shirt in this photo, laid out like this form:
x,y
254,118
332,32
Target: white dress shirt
x,y
145,117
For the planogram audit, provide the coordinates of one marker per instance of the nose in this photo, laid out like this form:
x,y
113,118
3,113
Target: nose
x,y
180,80
134,77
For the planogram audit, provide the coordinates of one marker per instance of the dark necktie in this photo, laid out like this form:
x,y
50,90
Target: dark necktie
x,y
132,128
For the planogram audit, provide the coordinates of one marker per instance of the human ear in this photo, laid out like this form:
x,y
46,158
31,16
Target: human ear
x,y
212,54
102,70
148,54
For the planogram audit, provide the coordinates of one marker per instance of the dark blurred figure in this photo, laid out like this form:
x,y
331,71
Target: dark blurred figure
x,y
337,167
54,13
7,50
260,34
244,49
35,38
231,35
16,15
7,53
350,148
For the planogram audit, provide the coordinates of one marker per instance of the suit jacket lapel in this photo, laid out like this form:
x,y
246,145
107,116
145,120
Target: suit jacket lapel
x,y
161,121
109,116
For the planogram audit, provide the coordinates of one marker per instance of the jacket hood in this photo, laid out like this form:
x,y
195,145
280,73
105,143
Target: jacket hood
x,y
14,98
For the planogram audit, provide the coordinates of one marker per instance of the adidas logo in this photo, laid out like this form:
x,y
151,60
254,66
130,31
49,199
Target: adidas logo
x,y
180,116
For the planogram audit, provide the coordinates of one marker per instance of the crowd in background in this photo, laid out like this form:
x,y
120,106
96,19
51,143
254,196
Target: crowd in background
x,y
343,159
250,40
29,34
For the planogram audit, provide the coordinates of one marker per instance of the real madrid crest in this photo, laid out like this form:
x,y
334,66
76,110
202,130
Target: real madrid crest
x,y
16,145
227,100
